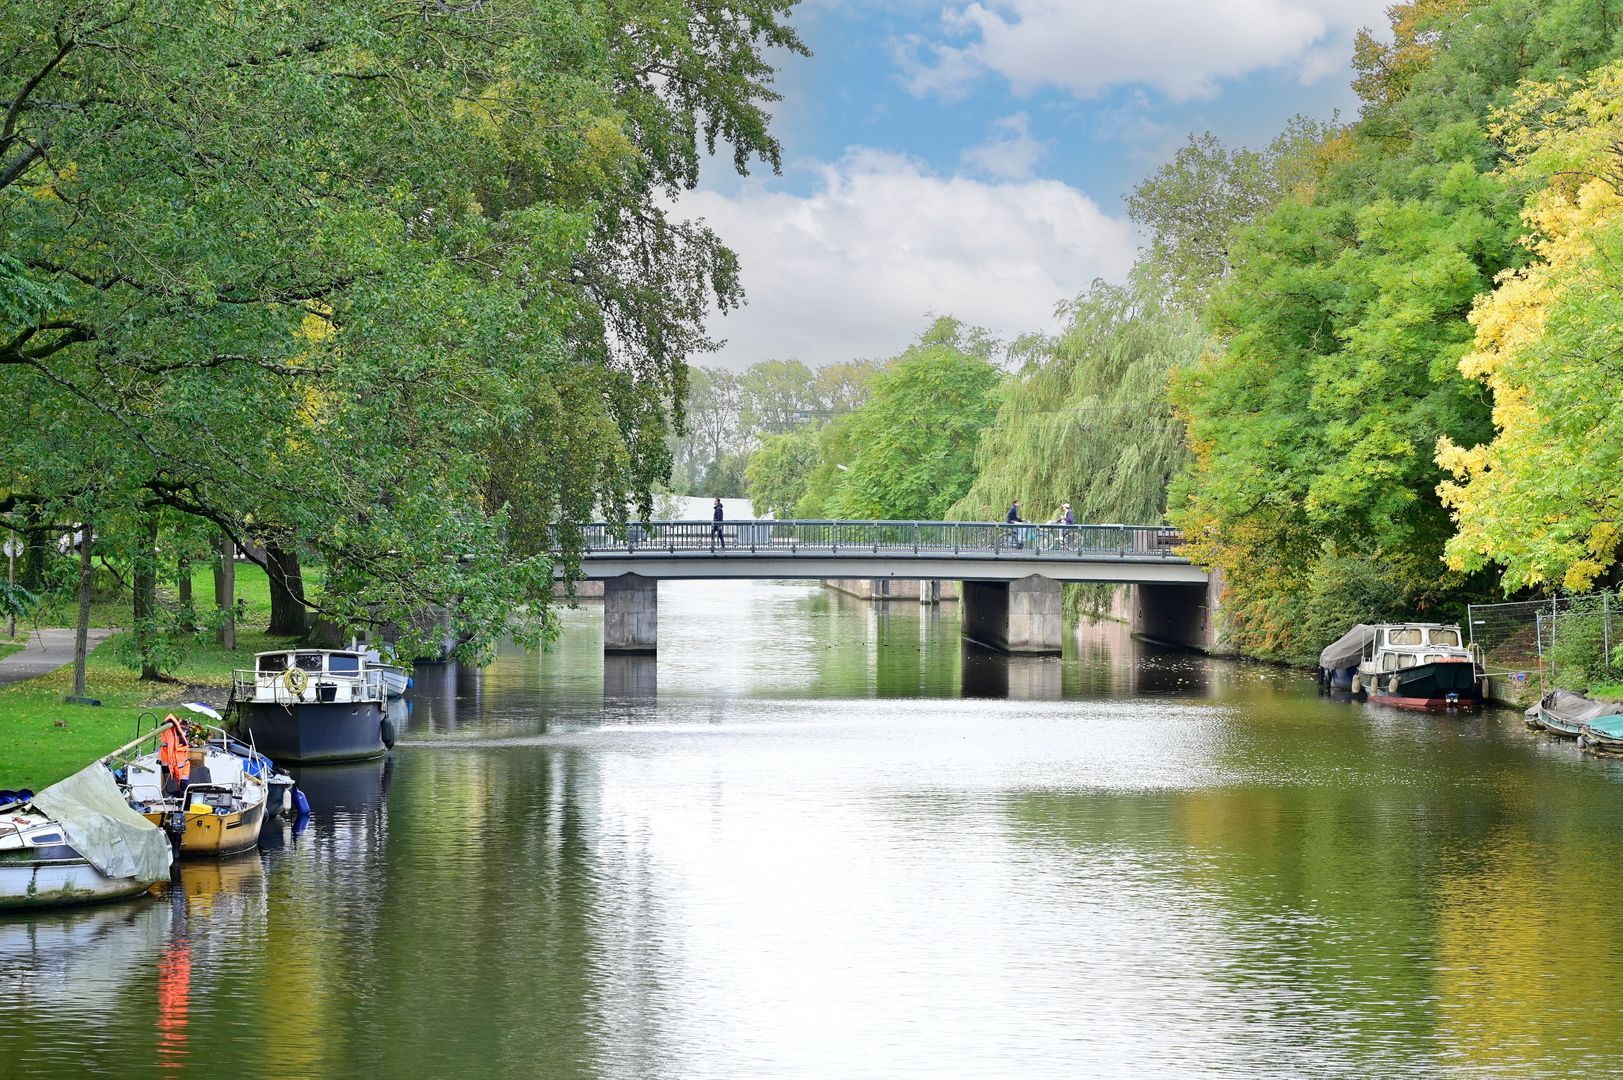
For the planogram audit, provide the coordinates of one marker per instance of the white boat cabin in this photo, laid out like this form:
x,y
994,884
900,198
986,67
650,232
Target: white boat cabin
x,y
309,676
1400,646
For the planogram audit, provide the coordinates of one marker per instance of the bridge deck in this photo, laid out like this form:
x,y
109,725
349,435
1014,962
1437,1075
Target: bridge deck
x,y
899,549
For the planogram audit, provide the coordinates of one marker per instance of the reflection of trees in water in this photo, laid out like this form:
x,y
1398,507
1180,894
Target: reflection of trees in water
x,y
1398,901
501,861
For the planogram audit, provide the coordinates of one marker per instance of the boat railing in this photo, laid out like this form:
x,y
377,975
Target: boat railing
x,y
248,684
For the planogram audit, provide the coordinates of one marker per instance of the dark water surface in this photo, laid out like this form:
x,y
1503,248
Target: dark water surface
x,y
818,838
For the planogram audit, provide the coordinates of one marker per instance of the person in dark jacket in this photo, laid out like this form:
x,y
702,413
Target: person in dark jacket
x,y
1013,519
715,524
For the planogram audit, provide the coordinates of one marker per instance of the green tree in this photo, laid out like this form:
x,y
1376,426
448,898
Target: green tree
x,y
1085,419
778,396
1191,207
311,272
1343,319
912,444
778,470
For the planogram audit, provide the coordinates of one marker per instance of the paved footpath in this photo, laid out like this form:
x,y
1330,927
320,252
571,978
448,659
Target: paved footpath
x,y
46,651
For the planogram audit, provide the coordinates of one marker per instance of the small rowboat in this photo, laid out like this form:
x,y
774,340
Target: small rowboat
x,y
1567,715
1603,735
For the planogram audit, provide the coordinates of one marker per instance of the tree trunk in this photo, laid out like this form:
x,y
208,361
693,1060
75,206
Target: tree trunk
x,y
34,541
183,585
225,593
288,617
146,599
81,634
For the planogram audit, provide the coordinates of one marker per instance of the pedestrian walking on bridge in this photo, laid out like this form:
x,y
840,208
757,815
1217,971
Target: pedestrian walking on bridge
x,y
715,525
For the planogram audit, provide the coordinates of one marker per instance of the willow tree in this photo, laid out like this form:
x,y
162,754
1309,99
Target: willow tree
x,y
310,271
1086,419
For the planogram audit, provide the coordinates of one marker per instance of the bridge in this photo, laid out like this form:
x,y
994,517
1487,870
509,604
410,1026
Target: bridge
x,y
1011,574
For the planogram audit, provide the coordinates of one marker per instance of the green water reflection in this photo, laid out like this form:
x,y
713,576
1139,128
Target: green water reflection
x,y
816,838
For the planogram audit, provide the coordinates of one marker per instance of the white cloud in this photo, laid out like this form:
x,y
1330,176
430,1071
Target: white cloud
x,y
1180,47
854,268
1012,153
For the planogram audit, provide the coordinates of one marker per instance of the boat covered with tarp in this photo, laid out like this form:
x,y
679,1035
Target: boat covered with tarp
x,y
78,842
1568,714
1338,664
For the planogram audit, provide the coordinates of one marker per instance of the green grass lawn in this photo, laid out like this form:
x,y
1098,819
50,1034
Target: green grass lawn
x,y
253,589
42,738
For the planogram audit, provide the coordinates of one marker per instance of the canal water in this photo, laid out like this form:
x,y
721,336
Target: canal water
x,y
819,838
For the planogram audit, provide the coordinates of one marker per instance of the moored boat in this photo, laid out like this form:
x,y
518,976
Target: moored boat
x,y
395,681
312,706
1604,734
200,784
1570,716
1412,665
78,842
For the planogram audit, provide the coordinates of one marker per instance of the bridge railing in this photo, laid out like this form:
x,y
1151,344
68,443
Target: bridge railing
x,y
883,538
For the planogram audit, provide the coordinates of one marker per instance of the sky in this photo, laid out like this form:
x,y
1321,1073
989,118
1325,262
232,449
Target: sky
x,y
944,157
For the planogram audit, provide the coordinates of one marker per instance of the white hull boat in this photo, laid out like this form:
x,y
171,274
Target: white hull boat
x,y
78,842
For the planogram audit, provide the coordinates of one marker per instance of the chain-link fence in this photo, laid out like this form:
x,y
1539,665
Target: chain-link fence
x,y
1569,641
1579,643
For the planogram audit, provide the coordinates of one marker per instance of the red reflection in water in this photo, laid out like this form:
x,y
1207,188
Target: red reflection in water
x,y
174,993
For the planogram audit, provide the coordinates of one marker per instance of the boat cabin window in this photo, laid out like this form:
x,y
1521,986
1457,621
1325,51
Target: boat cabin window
x,y
1445,637
1389,662
1406,661
309,661
47,838
1407,636
344,664
1435,658
273,662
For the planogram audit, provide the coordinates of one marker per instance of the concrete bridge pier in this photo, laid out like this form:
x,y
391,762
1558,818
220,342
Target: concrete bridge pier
x,y
630,614
1021,617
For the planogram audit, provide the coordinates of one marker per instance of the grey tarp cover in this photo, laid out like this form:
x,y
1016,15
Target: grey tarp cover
x,y
1348,648
101,826
1576,709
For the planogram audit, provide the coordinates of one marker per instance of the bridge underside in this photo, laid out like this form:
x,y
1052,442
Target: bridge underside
x,y
1018,616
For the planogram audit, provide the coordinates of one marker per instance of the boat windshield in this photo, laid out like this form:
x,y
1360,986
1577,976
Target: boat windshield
x,y
344,664
1445,637
272,662
309,661
1406,636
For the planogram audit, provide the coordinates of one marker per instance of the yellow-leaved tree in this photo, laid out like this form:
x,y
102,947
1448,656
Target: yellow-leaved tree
x,y
1543,498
